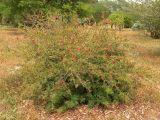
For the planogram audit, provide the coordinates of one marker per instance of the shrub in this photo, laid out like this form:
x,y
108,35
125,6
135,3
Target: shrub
x,y
121,19
137,26
117,19
72,66
127,21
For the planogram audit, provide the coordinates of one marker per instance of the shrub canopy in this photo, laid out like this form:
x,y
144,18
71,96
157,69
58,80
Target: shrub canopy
x,y
72,66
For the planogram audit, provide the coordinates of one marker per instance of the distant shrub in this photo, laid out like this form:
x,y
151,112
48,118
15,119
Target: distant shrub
x,y
127,21
117,20
72,66
137,26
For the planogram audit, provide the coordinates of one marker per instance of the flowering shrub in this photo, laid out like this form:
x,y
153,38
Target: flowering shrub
x,y
73,66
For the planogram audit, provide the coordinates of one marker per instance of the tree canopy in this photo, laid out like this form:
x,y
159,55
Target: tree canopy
x,y
122,12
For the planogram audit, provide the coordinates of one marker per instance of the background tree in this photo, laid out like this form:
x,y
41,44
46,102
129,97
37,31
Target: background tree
x,y
147,12
19,10
117,20
151,18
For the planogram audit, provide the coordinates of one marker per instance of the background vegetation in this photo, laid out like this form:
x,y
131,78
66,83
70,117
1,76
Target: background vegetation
x,y
121,12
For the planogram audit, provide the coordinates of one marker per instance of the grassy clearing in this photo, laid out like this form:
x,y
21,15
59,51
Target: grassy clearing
x,y
145,53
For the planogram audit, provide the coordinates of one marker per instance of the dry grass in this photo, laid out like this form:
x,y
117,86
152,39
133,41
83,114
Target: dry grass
x,y
10,42
144,52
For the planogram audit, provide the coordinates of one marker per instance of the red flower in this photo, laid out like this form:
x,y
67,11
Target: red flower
x,y
78,49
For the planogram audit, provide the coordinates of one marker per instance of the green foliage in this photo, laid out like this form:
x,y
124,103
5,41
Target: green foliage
x,y
96,12
138,26
4,11
116,5
19,11
117,19
72,66
128,21
100,12
121,19
148,13
151,18
84,10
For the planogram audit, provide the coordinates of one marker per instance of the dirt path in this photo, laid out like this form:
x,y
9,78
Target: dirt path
x,y
10,41
145,52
